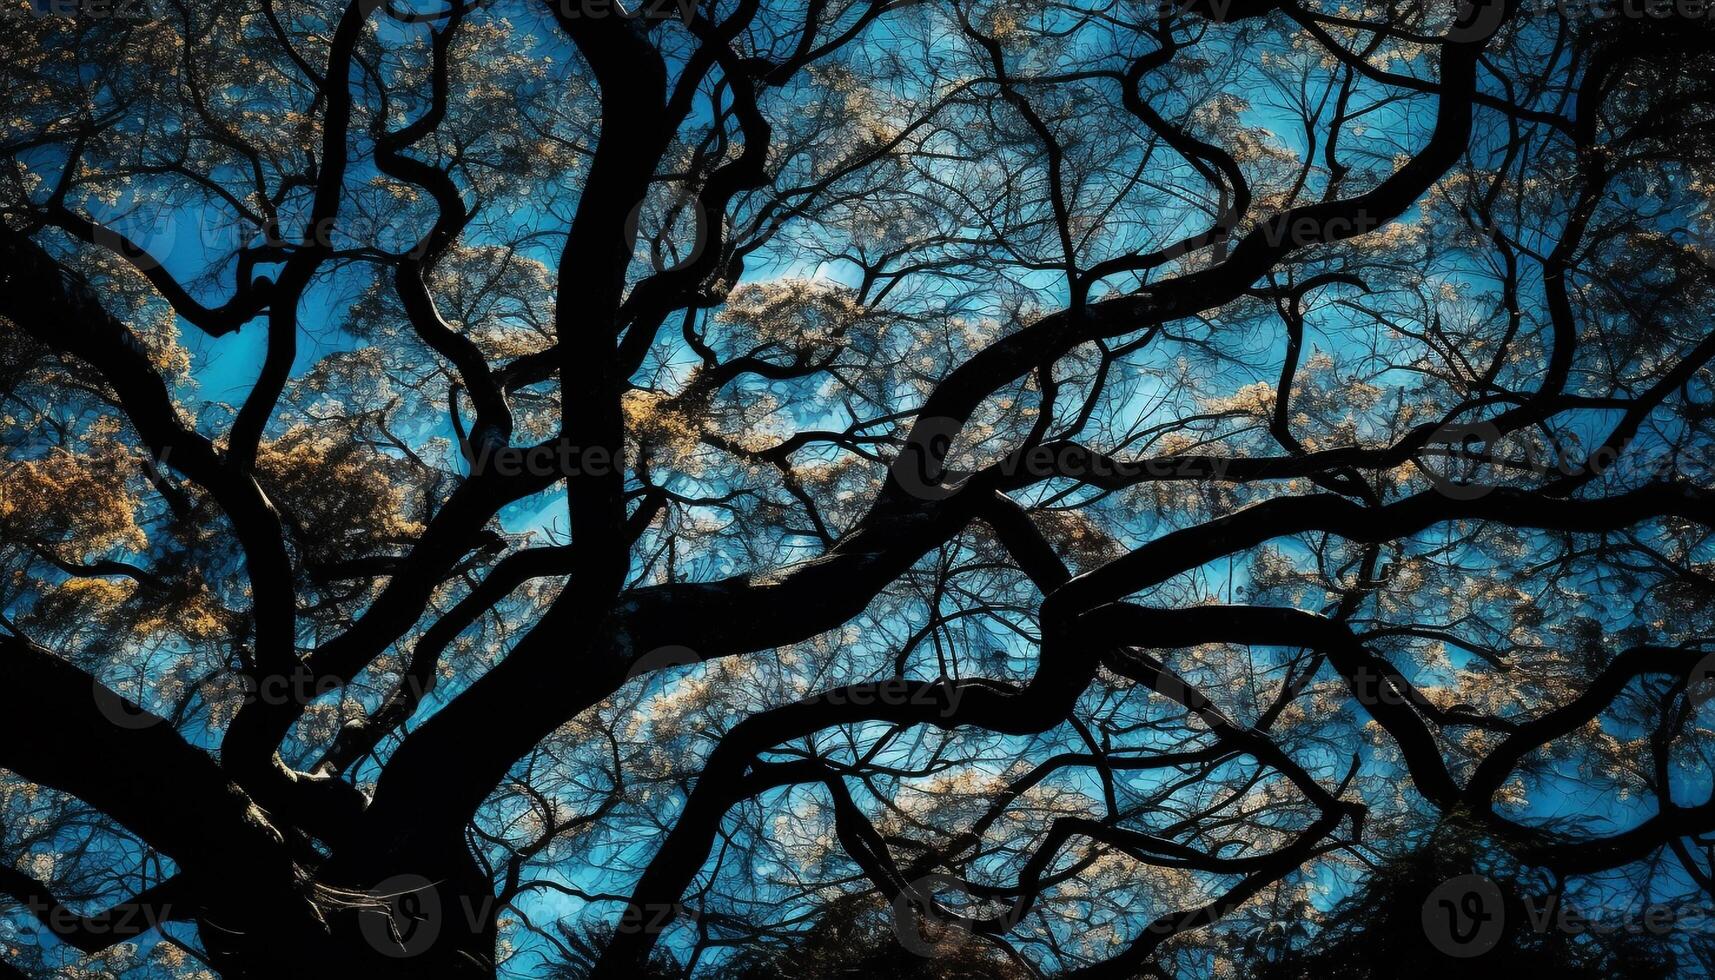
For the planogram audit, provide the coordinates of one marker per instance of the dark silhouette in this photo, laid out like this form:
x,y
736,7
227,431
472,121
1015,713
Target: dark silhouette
x,y
502,487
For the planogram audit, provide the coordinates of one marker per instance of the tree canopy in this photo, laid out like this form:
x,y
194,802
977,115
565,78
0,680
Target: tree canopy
x,y
903,488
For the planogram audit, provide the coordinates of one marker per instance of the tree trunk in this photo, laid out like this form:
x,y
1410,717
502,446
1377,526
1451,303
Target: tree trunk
x,y
379,922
